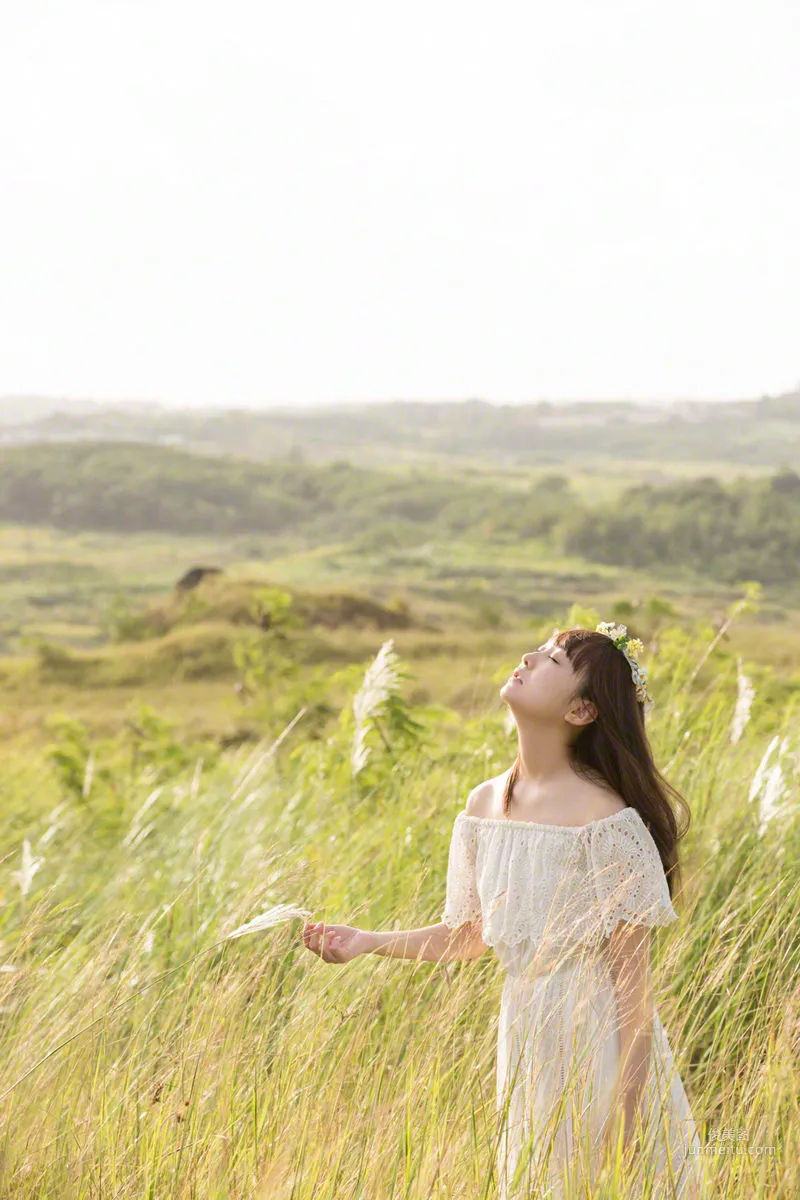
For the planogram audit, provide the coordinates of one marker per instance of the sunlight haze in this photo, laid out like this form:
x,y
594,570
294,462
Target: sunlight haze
x,y
271,204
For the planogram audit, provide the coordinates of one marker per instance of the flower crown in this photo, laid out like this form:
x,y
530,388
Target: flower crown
x,y
630,647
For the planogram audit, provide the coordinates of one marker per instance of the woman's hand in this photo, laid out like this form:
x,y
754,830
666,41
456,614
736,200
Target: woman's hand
x,y
336,943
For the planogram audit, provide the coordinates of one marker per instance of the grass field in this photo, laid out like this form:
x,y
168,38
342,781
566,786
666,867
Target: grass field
x,y
143,1054
172,764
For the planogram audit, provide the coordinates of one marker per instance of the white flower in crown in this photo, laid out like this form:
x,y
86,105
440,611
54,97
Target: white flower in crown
x,y
630,647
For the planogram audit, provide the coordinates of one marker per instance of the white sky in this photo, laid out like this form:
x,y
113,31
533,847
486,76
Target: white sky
x,y
275,203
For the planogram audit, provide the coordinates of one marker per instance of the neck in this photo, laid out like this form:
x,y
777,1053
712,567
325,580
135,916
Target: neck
x,y
543,753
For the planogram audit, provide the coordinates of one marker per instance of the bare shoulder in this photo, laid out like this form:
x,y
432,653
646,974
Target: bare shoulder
x,y
481,800
600,801
585,800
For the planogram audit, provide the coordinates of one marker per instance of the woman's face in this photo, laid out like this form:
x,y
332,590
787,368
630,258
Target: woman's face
x,y
542,687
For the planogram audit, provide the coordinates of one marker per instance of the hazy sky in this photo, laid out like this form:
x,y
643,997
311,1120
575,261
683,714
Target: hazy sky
x,y
291,203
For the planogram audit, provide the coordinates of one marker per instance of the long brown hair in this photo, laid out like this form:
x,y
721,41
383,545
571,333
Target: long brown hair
x,y
615,745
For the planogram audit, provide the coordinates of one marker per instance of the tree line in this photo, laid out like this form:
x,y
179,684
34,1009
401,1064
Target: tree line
x,y
749,528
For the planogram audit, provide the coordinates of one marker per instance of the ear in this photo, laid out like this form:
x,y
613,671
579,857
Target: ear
x,y
583,713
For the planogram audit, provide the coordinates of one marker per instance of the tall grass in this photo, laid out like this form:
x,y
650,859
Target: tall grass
x,y
144,1052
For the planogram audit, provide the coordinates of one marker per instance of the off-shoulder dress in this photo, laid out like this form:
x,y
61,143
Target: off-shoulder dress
x,y
546,898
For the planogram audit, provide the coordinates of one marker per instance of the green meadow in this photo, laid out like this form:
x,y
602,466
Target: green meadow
x,y
176,763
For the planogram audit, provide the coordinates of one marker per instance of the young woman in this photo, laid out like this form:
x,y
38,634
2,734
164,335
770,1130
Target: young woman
x,y
563,864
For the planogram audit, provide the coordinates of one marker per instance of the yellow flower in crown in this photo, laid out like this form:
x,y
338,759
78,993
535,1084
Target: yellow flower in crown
x,y
630,647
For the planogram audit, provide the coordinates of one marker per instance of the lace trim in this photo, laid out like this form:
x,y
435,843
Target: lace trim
x,y
537,825
628,876
463,902
571,887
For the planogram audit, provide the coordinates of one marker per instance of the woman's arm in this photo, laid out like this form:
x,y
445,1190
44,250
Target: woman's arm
x,y
431,943
629,957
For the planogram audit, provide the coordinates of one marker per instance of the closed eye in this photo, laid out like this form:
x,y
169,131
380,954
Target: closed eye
x,y
550,656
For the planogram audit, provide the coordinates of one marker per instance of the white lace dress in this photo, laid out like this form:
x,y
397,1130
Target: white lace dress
x,y
547,897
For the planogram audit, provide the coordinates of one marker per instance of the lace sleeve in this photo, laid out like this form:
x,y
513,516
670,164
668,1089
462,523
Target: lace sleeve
x,y
627,875
462,902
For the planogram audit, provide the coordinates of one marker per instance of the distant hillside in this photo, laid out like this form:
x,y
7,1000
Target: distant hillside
x,y
764,432
219,600
194,636
747,529
132,488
